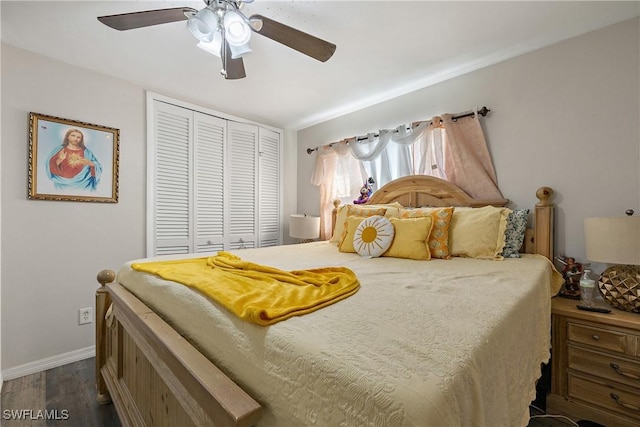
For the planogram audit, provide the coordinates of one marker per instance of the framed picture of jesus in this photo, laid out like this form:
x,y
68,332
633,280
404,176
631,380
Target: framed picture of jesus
x,y
72,161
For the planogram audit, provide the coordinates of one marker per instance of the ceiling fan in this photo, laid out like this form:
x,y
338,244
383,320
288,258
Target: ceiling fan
x,y
223,30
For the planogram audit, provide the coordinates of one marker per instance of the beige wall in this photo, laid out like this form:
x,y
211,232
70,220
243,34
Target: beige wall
x,y
52,251
565,116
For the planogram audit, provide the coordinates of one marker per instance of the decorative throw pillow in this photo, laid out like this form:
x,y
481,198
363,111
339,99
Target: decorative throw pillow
x,y
352,223
439,238
338,229
391,210
478,232
411,238
373,236
514,235
360,211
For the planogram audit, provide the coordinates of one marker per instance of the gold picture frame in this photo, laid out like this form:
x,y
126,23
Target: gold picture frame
x,y
72,161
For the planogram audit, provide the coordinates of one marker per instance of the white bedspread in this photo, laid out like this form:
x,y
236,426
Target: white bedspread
x,y
423,343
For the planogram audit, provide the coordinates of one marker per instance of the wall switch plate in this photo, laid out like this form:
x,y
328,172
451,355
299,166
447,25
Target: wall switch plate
x,y
85,315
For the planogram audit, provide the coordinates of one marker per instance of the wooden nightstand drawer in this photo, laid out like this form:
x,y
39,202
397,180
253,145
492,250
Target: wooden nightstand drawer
x,y
599,338
624,402
584,384
605,366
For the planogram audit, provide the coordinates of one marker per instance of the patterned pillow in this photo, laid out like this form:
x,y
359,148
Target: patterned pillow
x,y
373,236
439,238
515,232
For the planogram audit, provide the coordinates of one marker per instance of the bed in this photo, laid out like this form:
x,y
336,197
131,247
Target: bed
x,y
455,341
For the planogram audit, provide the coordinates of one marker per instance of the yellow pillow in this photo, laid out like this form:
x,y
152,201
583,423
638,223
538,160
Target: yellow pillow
x,y
439,238
373,236
411,239
352,223
338,229
391,210
478,232
360,211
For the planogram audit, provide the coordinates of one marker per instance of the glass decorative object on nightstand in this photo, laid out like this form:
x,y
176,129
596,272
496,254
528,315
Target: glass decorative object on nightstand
x,y
588,289
616,240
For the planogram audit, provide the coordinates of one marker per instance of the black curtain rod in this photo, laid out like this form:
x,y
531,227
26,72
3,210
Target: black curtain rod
x,y
483,112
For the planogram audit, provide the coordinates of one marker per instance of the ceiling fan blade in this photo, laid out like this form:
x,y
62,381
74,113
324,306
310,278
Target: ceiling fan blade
x,y
295,39
129,21
234,68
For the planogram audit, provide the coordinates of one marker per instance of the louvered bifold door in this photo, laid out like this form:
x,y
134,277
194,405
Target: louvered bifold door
x,y
269,202
169,180
209,137
241,186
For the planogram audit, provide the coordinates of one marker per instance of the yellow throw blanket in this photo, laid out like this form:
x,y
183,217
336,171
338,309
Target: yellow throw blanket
x,y
254,292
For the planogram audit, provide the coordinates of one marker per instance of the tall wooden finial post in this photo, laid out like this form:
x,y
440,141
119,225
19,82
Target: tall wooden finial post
x,y
103,301
544,222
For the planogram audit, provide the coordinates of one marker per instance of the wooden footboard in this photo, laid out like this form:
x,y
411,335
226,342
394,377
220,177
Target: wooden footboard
x,y
153,375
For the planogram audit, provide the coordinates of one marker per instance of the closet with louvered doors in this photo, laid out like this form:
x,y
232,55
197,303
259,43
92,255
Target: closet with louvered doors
x,y
213,183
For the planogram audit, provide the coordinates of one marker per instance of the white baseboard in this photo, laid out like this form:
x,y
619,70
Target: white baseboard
x,y
48,363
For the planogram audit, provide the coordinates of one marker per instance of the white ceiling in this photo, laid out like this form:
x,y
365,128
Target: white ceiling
x,y
384,48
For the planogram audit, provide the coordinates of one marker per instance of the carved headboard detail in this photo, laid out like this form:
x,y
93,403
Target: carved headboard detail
x,y
422,190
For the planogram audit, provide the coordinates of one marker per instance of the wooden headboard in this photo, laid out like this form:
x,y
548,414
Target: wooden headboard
x,y
423,190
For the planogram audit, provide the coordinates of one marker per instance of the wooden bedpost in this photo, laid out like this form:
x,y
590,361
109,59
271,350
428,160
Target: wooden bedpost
x,y
103,301
544,223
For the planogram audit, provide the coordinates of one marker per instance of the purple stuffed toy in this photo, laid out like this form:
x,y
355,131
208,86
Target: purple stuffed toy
x,y
365,192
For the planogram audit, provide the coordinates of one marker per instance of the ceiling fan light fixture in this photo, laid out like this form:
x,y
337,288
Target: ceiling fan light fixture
x,y
213,47
236,29
239,51
223,30
203,25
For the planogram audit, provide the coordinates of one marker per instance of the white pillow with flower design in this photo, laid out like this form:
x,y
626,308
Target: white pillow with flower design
x,y
373,236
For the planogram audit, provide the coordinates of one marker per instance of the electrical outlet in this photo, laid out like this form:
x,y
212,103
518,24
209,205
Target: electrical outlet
x,y
85,315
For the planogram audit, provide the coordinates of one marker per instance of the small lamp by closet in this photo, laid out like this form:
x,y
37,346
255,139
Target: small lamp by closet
x,y
616,241
304,227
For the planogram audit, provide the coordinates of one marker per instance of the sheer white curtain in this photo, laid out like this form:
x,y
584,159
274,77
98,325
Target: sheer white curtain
x,y
396,152
445,147
339,176
429,151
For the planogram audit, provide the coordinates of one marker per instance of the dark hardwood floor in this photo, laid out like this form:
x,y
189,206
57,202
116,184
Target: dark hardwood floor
x,y
68,395
63,396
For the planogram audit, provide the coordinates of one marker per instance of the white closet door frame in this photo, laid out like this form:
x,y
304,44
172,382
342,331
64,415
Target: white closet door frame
x,y
151,159
185,241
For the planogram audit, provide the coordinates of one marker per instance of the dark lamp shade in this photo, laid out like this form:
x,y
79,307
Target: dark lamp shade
x,y
302,226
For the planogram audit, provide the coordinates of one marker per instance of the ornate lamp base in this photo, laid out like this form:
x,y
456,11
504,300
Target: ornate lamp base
x,y
620,287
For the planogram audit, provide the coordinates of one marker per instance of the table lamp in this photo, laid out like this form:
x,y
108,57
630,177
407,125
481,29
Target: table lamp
x,y
616,240
304,227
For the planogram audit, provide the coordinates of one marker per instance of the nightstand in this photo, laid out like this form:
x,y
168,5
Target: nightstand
x,y
595,364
